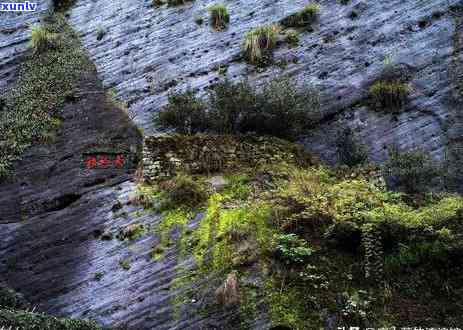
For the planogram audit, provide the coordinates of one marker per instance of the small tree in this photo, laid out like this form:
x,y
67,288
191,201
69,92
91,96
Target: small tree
x,y
219,16
185,112
349,151
287,109
412,171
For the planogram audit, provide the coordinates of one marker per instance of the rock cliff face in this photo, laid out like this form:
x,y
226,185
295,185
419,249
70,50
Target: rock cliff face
x,y
56,255
149,50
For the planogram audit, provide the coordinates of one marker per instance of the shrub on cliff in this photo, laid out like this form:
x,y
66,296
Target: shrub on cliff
x,y
184,112
232,107
287,110
219,16
259,43
390,91
304,17
390,95
349,151
291,249
413,172
279,108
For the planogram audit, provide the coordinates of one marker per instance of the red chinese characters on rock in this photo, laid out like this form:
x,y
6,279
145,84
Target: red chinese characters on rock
x,y
105,161
119,161
91,162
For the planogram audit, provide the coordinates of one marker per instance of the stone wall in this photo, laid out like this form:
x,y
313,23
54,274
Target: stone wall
x,y
163,156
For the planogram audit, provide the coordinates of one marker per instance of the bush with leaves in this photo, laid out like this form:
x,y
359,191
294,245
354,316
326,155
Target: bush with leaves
x,y
287,110
349,151
259,44
177,2
279,108
413,172
291,249
184,112
232,107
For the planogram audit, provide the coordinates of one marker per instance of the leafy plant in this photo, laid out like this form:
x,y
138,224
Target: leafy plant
x,y
62,5
304,17
259,43
291,249
349,151
292,38
184,112
390,95
278,108
100,33
357,307
125,264
412,171
219,16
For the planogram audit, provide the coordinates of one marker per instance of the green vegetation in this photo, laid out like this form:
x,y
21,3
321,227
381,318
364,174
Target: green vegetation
x,y
125,264
99,276
302,18
47,79
292,38
259,44
292,249
349,151
390,95
183,191
414,172
300,226
219,16
132,232
391,90
279,108
198,19
42,39
28,320
100,33
184,112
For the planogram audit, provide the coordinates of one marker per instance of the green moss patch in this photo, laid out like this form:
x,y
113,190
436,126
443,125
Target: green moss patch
x,y
293,229
48,79
32,321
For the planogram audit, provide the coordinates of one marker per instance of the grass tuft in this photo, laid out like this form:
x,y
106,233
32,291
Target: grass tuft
x,y
219,16
42,39
259,43
304,17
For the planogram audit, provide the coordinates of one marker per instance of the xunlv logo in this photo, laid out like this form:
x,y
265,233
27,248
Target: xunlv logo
x,y
13,6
